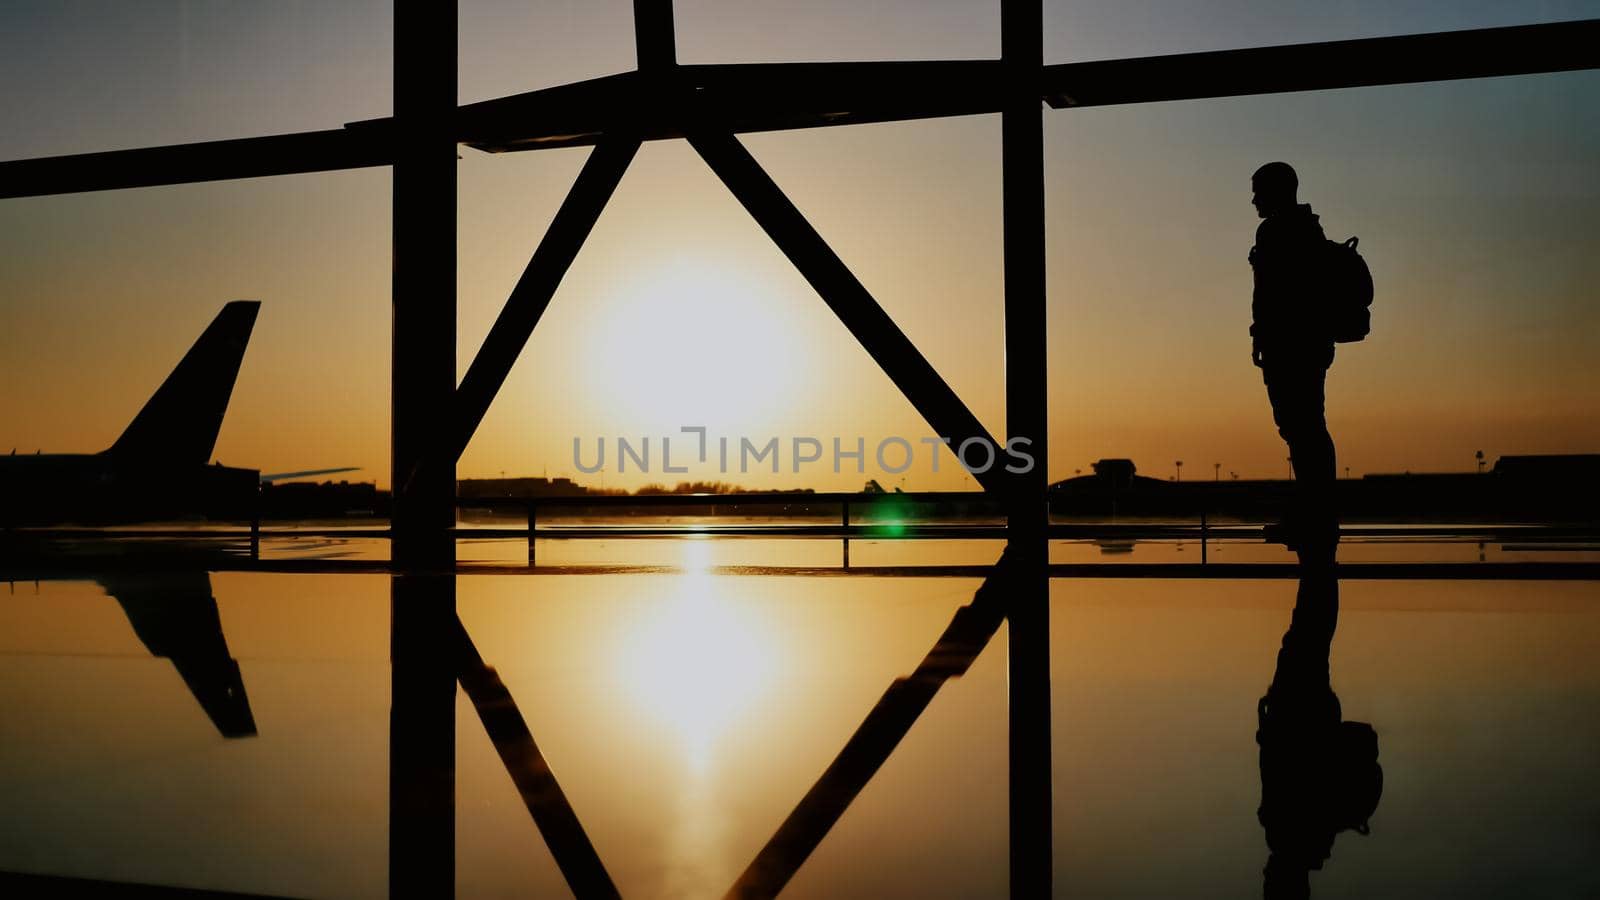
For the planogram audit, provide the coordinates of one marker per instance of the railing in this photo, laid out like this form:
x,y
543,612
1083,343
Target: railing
x,y
792,503
855,516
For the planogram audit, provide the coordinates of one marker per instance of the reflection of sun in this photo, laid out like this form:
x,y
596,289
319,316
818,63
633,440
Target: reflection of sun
x,y
691,343
699,658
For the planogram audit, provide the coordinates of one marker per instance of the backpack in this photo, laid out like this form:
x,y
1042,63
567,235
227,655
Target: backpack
x,y
1356,776
1348,286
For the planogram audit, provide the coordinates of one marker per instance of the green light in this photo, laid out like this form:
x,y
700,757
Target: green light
x,y
894,515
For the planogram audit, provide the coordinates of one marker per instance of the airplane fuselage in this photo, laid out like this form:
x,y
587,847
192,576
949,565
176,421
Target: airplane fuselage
x,y
99,488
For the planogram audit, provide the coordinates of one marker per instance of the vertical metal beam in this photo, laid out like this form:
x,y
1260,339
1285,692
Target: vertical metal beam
x,y
1022,156
653,34
1027,417
423,363
422,387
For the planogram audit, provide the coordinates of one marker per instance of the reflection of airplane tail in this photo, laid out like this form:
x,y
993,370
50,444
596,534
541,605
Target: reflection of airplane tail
x,y
176,617
179,424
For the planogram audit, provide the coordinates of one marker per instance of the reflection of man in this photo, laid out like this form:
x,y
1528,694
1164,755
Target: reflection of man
x,y
1319,774
1290,340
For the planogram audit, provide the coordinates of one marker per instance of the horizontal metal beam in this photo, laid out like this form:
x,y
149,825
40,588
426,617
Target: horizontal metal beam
x,y
900,359
282,154
1441,56
781,96
738,98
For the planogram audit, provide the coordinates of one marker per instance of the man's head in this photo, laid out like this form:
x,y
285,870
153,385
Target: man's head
x,y
1275,186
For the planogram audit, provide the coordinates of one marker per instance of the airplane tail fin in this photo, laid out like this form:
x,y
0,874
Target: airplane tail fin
x,y
179,423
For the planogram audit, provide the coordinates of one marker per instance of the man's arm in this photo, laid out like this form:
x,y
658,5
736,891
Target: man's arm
x,y
1273,268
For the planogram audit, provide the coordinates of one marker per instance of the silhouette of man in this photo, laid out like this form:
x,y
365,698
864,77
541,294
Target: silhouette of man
x,y
1291,344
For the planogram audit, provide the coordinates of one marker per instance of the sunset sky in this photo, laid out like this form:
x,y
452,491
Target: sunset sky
x,y
1477,204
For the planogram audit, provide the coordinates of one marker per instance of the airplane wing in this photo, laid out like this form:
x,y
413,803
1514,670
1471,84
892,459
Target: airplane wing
x,y
284,476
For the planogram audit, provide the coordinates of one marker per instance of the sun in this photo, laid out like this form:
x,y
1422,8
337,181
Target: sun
x,y
689,342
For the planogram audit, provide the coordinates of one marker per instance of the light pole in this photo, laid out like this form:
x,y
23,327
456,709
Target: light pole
x,y
1217,470
1180,470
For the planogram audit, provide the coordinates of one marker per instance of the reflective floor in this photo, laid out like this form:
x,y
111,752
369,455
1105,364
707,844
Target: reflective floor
x,y
231,731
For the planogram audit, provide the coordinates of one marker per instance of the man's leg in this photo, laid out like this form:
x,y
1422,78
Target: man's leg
x,y
1297,397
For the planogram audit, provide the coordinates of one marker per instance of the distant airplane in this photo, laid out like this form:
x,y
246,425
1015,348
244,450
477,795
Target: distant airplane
x,y
159,467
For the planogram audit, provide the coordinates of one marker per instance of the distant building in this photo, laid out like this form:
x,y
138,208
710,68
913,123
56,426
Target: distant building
x,y
1119,472
518,488
1571,467
1549,488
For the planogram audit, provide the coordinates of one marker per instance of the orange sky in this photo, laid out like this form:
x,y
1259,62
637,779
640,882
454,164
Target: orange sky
x,y
1477,204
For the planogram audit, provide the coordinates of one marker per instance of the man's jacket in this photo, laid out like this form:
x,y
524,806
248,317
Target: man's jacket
x,y
1285,308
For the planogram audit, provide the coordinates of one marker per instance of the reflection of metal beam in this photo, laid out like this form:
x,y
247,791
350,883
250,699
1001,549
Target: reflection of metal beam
x,y
969,631
529,299
831,278
422,737
541,793
1443,56
281,154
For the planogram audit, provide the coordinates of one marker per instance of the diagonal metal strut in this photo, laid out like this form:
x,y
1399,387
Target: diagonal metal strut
x,y
905,365
529,299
